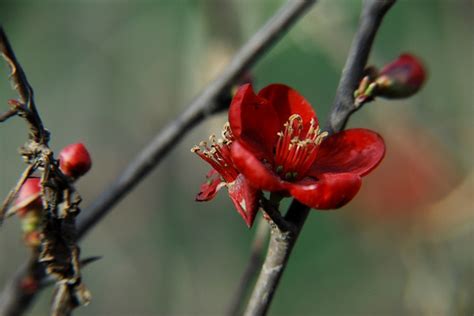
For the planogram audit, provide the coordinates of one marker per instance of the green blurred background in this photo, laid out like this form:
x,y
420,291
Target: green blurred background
x,y
113,73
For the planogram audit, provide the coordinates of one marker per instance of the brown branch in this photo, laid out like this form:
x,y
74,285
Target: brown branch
x,y
37,131
6,115
282,241
58,253
14,301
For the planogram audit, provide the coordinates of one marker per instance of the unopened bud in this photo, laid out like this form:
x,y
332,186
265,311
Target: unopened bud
x,y
401,78
74,160
29,284
28,198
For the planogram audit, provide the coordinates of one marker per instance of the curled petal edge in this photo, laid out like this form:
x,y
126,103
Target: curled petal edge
x,y
209,189
330,191
356,150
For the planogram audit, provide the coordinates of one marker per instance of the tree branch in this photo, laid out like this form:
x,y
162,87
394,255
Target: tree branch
x,y
37,131
282,241
372,14
252,268
14,300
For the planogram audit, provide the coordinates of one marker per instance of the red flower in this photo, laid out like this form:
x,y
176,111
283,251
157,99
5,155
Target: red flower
x,y
279,147
224,174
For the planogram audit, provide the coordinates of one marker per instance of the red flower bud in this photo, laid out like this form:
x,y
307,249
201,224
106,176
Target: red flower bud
x,y
29,284
74,160
401,78
29,196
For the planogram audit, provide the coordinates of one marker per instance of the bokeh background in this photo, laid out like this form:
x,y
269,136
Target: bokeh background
x,y
113,73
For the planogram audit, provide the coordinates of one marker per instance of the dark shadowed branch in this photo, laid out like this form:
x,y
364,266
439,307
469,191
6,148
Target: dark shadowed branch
x,y
208,102
282,241
14,300
372,14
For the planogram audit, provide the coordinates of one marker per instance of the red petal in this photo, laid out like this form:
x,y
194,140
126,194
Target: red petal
x,y
245,199
248,113
286,102
331,191
209,189
253,169
355,150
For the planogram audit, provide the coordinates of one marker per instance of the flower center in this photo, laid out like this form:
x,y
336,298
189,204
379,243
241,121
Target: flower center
x,y
296,151
217,154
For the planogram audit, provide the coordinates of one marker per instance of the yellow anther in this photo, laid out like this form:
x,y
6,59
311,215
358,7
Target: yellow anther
x,y
295,117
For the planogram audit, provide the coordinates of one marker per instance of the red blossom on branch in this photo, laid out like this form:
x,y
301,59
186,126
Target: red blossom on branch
x,y
225,174
273,143
280,148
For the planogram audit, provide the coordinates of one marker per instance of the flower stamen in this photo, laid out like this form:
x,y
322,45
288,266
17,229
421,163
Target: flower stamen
x,y
295,152
217,154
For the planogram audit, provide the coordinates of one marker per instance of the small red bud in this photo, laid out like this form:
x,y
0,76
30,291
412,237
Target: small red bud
x,y
74,160
401,78
29,196
29,284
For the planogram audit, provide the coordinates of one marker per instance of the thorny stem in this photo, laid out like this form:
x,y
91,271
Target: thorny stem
x,y
13,299
282,241
58,252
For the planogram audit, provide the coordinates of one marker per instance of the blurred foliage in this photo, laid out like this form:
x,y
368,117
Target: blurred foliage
x,y
113,73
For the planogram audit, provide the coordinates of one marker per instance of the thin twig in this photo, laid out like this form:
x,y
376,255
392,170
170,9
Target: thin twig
x,y
6,115
11,195
282,241
252,268
37,131
279,250
14,301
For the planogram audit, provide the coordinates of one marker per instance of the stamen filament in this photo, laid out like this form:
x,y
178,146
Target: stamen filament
x,y
295,152
217,154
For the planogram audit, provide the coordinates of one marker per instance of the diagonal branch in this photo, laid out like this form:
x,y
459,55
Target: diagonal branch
x,y
14,300
208,102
